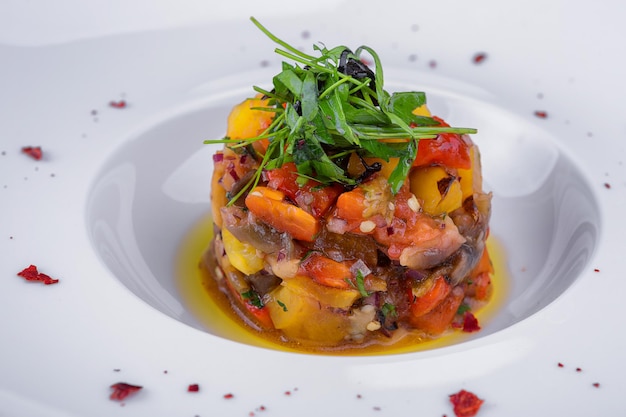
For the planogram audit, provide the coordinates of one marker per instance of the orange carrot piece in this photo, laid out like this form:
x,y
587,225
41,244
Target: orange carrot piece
x,y
325,271
439,319
484,265
269,205
350,205
435,295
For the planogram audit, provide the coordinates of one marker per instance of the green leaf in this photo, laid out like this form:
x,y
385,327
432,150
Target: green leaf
x,y
288,81
308,97
400,172
360,284
402,104
253,298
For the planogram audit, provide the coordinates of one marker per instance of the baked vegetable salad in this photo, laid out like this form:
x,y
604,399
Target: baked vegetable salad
x,y
346,216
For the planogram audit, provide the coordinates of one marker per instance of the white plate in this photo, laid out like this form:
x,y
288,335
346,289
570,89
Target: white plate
x,y
109,205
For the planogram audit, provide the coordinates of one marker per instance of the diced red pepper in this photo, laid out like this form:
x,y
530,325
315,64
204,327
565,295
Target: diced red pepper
x,y
121,390
34,152
465,403
32,274
470,323
438,320
447,149
432,298
312,196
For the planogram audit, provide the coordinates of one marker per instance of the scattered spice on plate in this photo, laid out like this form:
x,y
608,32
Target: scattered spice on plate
x,y
32,274
579,370
607,185
432,63
596,384
229,396
34,152
465,403
560,365
121,390
541,114
120,104
193,388
596,270
479,57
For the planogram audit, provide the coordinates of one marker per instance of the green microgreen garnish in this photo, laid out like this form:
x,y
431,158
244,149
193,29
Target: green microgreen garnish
x,y
253,298
330,106
389,310
360,284
463,308
282,305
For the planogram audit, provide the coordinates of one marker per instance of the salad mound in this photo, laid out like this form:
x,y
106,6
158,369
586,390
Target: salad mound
x,y
346,216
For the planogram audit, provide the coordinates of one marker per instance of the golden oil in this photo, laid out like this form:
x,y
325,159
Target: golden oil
x,y
212,308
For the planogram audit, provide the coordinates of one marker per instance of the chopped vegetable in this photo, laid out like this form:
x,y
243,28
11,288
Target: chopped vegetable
x,y
346,216
121,390
32,274
465,403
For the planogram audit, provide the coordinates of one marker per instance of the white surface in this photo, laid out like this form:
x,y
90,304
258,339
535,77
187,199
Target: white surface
x,y
61,344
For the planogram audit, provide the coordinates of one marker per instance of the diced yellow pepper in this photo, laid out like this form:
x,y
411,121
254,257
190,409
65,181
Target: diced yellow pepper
x,y
333,297
471,179
425,185
244,122
301,316
241,255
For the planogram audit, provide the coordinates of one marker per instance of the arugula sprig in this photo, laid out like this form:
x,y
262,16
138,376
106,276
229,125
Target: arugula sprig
x,y
330,106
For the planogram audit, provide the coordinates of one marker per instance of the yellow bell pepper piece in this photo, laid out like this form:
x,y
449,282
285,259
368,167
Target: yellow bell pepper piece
x,y
471,179
241,255
244,122
424,184
301,317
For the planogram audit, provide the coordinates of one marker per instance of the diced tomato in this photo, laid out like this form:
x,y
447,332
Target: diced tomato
x,y
484,265
438,320
479,286
313,196
262,315
447,149
326,271
427,302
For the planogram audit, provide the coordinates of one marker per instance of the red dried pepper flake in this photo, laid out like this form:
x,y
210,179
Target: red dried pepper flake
x,y
470,323
193,388
465,403
32,274
596,384
607,185
228,396
479,58
541,114
34,152
596,270
121,390
120,104
560,365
